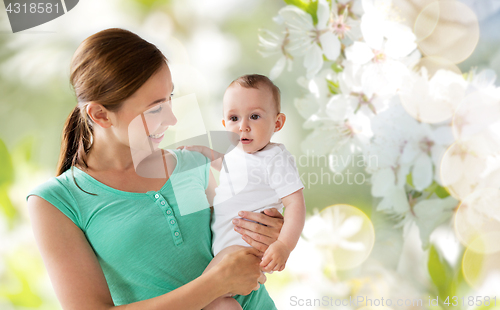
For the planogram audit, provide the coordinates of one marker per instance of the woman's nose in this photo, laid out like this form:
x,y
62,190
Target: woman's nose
x,y
168,117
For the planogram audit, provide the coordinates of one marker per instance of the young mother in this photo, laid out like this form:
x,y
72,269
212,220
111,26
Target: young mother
x,y
112,237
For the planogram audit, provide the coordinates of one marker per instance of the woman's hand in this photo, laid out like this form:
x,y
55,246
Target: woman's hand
x,y
240,270
257,235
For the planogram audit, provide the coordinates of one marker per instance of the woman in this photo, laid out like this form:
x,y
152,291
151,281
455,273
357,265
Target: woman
x,y
115,231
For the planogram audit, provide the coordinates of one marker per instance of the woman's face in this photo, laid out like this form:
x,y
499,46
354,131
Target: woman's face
x,y
146,115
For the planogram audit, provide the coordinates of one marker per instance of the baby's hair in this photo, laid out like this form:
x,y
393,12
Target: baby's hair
x,y
254,80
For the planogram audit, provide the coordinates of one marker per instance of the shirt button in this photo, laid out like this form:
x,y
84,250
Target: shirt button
x,y
163,203
157,196
168,211
172,222
176,234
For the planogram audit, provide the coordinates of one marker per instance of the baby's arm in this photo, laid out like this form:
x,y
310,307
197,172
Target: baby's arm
x,y
277,254
214,156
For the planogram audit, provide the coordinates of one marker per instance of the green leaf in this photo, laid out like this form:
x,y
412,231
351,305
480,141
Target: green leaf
x,y
333,87
22,271
23,151
409,180
441,192
439,270
458,286
6,168
151,4
337,67
312,9
308,6
6,206
298,3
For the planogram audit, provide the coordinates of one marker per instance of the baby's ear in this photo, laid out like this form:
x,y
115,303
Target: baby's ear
x,y
280,122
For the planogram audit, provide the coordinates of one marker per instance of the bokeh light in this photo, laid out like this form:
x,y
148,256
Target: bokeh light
x,y
476,113
435,99
478,216
481,267
448,29
470,165
435,63
344,233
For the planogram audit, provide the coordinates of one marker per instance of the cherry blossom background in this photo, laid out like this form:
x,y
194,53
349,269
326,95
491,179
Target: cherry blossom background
x,y
381,82
392,113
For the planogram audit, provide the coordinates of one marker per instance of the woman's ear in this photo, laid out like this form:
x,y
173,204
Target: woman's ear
x,y
280,121
99,114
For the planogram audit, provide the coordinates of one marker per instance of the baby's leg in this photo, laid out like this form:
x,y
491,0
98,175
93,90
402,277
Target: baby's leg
x,y
225,302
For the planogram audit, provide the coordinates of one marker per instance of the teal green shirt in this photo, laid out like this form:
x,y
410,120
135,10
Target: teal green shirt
x,y
147,244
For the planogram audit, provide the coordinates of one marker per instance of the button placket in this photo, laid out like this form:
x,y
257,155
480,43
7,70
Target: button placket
x,y
172,221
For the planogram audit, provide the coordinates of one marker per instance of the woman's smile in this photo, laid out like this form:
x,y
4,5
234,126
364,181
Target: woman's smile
x,y
157,138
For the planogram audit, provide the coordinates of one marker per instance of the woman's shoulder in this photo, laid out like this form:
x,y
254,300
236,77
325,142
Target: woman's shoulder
x,y
58,192
58,184
187,160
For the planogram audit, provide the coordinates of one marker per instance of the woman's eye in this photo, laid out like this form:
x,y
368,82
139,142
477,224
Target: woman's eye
x,y
254,116
157,110
233,118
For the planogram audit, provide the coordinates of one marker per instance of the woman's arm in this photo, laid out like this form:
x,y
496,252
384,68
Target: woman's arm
x,y
260,236
79,282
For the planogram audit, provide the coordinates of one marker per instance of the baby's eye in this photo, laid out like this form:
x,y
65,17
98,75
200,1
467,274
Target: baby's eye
x,y
254,116
233,118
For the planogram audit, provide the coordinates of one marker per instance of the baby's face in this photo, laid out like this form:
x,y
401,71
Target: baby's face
x,y
251,114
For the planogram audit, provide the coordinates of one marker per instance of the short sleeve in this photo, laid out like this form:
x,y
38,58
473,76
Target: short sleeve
x,y
283,175
195,163
203,166
54,192
190,181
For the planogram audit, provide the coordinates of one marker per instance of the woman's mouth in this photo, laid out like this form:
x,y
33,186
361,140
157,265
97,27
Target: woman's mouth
x,y
157,138
246,141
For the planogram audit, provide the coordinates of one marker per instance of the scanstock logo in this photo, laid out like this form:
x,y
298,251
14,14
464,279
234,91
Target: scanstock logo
x,y
31,13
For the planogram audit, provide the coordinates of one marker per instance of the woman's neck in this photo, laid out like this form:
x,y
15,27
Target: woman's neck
x,y
110,154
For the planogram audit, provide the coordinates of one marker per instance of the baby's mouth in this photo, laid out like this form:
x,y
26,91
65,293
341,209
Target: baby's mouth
x,y
245,140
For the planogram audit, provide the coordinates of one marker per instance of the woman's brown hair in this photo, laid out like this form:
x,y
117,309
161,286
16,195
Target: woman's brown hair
x,y
107,68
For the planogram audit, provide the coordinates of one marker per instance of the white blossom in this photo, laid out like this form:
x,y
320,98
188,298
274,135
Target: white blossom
x,y
272,44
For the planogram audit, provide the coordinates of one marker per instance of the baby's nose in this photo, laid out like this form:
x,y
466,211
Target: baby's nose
x,y
244,126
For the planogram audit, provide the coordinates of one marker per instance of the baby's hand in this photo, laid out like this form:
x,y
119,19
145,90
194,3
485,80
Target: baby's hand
x,y
275,257
215,157
194,148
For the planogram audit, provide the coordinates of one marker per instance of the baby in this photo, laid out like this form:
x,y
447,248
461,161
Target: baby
x,y
255,175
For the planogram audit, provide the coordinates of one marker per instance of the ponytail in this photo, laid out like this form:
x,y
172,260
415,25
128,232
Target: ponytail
x,y
76,143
